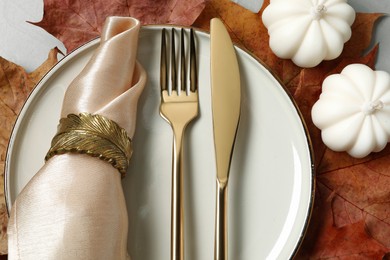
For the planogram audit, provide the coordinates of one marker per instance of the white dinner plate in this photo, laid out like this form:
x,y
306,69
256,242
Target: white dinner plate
x,y
271,188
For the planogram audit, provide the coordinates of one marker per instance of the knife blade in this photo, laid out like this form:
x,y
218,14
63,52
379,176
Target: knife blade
x,y
225,103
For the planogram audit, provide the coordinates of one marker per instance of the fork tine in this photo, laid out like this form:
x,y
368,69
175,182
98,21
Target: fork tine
x,y
173,62
193,74
178,109
183,71
163,63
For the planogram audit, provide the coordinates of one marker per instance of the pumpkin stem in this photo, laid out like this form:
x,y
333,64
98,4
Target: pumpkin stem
x,y
371,107
318,11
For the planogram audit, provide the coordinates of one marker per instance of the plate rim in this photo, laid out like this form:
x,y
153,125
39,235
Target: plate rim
x,y
237,46
308,142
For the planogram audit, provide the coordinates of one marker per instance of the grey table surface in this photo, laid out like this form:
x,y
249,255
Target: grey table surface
x,y
382,32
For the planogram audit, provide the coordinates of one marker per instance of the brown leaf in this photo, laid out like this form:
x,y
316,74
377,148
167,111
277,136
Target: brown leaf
x,y
329,241
351,216
36,75
362,30
363,187
15,86
75,22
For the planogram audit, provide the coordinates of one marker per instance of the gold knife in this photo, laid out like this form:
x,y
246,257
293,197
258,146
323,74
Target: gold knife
x,y
225,102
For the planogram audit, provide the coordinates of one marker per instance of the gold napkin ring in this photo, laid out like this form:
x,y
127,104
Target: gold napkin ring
x,y
94,135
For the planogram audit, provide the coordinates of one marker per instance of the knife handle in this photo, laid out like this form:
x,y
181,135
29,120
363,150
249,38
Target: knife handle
x,y
221,234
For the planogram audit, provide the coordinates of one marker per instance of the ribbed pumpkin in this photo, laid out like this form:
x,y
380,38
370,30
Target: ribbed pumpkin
x,y
353,110
308,31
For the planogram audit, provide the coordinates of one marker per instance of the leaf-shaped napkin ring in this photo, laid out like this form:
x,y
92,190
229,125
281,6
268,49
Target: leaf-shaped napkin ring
x,y
94,135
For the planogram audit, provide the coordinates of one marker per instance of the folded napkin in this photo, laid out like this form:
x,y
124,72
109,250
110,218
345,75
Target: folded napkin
x,y
74,207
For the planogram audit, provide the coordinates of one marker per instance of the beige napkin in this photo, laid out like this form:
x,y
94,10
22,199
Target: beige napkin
x,y
74,207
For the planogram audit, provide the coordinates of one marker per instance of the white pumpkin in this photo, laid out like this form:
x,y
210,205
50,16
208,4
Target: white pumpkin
x,y
308,31
353,110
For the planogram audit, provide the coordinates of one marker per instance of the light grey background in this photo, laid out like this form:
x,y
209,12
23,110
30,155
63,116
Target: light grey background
x,y
382,32
28,45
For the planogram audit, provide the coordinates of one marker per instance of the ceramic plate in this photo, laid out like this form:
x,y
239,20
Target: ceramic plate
x,y
271,181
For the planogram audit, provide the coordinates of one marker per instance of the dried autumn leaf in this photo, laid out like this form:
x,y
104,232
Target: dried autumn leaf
x,y
329,241
15,86
363,191
351,217
75,22
16,31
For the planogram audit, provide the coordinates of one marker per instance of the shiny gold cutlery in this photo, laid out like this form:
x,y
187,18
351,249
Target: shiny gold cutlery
x,y
179,106
225,97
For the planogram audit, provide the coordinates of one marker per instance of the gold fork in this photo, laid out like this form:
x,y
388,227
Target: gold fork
x,y
179,106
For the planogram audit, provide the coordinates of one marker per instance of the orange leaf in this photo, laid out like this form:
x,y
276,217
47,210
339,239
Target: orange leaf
x,y
15,86
363,191
75,22
362,30
329,239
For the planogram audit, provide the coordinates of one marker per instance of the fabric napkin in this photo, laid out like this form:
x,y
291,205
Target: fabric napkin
x,y
74,207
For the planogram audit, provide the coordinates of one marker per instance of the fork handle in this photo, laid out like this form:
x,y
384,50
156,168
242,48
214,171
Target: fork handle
x,y
177,205
221,222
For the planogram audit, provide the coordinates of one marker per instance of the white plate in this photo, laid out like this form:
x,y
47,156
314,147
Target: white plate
x,y
271,181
